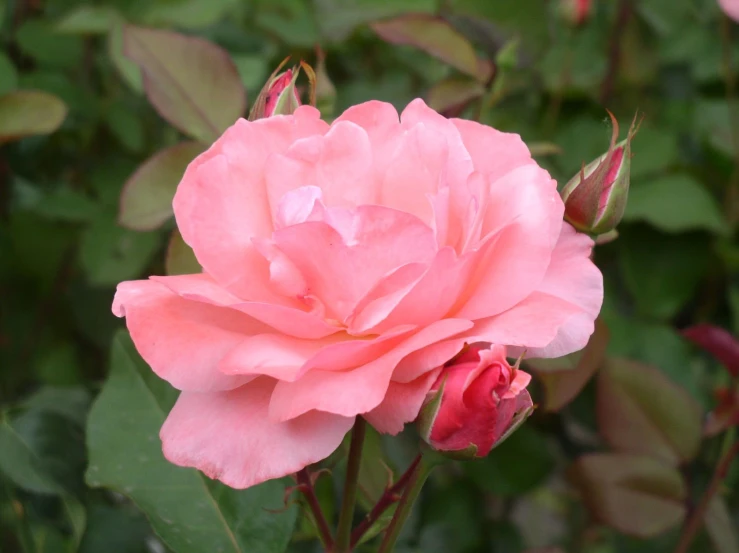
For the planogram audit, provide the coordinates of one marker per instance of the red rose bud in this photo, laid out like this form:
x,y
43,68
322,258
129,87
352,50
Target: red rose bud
x,y
279,96
595,199
477,401
576,12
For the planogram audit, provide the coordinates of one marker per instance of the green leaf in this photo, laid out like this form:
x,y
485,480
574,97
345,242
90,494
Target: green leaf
x,y
675,203
635,495
29,112
8,74
437,38
637,412
126,125
564,377
38,39
192,83
88,20
338,18
146,200
69,402
127,69
19,463
181,259
189,513
653,150
502,472
42,454
58,365
65,204
646,257
713,121
188,14
292,21
110,254
115,530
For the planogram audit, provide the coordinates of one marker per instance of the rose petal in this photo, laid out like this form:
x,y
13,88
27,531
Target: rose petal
x,y
573,277
221,202
340,270
401,404
182,340
521,209
230,437
360,390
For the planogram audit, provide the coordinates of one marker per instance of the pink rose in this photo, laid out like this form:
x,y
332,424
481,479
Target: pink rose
x,y
730,8
342,265
477,401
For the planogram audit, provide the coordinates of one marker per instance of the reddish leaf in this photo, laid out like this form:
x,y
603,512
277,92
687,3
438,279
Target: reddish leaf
x,y
191,82
718,342
146,200
635,495
454,91
640,410
563,378
28,113
436,37
725,414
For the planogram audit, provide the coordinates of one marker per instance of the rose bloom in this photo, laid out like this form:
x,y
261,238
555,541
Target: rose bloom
x,y
342,264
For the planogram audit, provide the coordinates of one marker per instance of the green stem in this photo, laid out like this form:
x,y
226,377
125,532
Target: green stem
x,y
415,482
346,516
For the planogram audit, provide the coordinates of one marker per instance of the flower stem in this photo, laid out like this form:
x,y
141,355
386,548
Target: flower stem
x,y
305,485
416,480
389,496
346,516
697,517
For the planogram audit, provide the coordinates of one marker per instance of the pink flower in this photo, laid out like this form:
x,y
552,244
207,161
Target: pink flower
x,y
281,90
343,265
477,401
730,8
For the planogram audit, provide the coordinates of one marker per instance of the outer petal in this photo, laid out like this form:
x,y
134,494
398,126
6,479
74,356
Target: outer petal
x,y
221,202
532,323
182,340
526,212
283,318
382,125
356,391
573,277
229,436
401,404
493,152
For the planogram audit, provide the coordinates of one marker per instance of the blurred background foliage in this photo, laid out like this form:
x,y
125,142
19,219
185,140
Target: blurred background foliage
x,y
102,105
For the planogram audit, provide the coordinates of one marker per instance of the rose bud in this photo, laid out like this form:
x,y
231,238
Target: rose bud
x,y
477,401
278,97
595,199
576,12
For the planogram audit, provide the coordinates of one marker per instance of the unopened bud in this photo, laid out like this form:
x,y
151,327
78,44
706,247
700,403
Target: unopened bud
x,y
575,12
478,400
279,96
595,198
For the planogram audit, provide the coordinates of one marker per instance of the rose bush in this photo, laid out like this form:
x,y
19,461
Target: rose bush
x,y
342,265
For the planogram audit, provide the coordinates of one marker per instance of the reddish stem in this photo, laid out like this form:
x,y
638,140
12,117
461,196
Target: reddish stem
x,y
388,497
305,485
697,517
